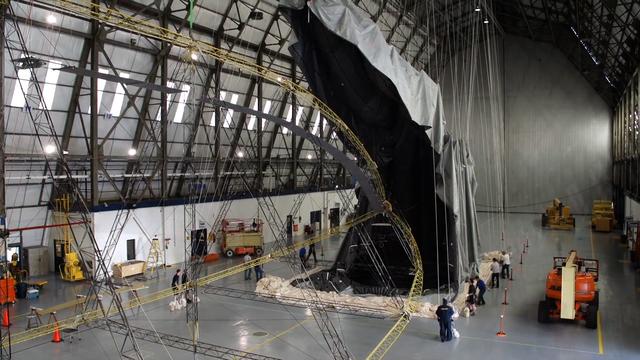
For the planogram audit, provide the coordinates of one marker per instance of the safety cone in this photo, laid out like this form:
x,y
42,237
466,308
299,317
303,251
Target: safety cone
x,y
5,318
56,334
501,332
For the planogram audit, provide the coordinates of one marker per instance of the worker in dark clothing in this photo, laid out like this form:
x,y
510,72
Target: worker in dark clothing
x,y
482,288
175,282
471,297
184,286
312,251
303,258
444,314
259,272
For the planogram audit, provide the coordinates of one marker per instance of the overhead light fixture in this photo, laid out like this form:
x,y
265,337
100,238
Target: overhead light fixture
x,y
486,21
132,152
309,156
478,8
65,152
50,149
240,154
194,56
51,19
279,78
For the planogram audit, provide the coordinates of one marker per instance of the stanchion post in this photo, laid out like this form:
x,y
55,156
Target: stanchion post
x,y
501,332
505,297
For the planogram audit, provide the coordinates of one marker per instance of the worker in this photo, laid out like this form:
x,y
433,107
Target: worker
x,y
184,278
254,226
247,271
312,251
303,258
444,314
482,288
495,274
184,289
175,282
471,297
506,264
259,272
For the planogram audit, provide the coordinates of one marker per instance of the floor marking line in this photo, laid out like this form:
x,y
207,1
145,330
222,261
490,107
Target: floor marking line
x,y
600,342
278,335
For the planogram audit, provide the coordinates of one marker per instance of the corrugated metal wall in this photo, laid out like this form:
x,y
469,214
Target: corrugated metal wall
x,y
558,129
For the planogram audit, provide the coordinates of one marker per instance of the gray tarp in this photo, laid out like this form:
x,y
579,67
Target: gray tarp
x,y
422,97
456,185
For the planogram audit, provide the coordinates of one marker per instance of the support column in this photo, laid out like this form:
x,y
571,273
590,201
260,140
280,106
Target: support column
x,y
93,117
163,117
218,125
294,116
259,184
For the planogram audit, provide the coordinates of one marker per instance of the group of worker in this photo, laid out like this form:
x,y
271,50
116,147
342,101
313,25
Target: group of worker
x,y
500,268
257,268
179,278
306,255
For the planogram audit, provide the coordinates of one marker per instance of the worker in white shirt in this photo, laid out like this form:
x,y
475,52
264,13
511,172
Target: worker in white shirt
x,y
495,274
247,271
506,264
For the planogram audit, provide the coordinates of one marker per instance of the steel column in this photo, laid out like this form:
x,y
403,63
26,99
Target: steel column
x,y
94,151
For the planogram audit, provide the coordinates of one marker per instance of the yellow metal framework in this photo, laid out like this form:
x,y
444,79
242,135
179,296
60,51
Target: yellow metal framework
x,y
118,19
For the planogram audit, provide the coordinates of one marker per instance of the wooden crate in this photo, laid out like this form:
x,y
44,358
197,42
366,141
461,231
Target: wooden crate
x,y
129,268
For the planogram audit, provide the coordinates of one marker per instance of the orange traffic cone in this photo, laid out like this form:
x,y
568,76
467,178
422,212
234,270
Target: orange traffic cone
x,y
5,318
56,334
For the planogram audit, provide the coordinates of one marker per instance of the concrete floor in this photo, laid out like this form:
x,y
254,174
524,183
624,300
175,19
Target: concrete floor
x,y
290,334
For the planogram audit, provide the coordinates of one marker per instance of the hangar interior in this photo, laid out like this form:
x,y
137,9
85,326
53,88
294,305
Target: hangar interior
x,y
290,179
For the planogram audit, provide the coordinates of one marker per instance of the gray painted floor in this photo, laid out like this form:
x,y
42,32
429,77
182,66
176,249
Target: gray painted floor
x,y
291,335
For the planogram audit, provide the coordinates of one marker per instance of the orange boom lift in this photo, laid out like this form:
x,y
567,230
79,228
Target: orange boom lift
x,y
571,291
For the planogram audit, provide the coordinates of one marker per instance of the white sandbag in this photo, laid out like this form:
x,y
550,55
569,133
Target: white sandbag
x,y
466,312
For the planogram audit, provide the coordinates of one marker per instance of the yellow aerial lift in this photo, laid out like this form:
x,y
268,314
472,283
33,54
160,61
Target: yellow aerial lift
x,y
558,217
71,269
602,216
